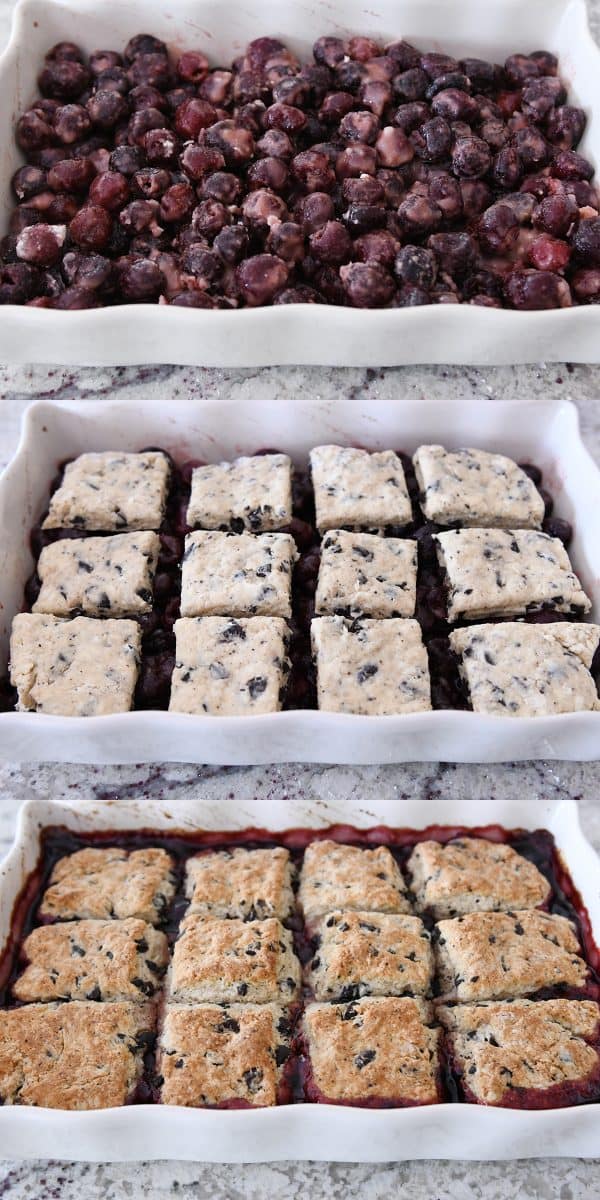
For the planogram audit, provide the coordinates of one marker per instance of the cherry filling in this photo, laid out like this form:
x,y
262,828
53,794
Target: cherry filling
x,y
370,176
158,640
297,1084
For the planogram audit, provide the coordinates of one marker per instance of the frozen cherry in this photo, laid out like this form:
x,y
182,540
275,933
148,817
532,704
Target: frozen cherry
x,y
335,105
358,159
520,68
329,51
476,196
152,69
231,243
106,108
531,146
76,298
556,214
260,277
209,217
203,264
393,147
433,140
71,123
312,171
367,285
113,79
143,43
379,246
110,189
28,181
268,172
471,157
586,285
548,253
146,96
540,96
303,294
139,216
438,64
235,143
71,175
455,252
274,143
91,271
34,132
41,245
507,168
161,147
287,241
537,289
331,243
410,85
192,66
126,159
410,296
403,55
418,215
151,182
359,127
102,60
586,241
455,105
63,79
142,282
567,164
416,265
565,126
193,116
498,229
91,228
445,191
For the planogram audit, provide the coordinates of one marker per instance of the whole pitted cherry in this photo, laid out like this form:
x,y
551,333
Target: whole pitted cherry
x,y
312,171
376,95
410,116
41,245
433,140
271,173
393,147
565,126
498,229
455,105
410,85
567,164
209,217
537,289
150,183
71,123
329,51
263,207
204,265
28,181
231,244
356,160
556,215
359,127
471,157
584,283
71,175
367,285
222,186
111,190
63,79
379,246
235,143
548,253
198,161
260,277
287,241
91,271
417,266
331,244
455,252
192,66
586,241
418,215
106,109
445,191
91,228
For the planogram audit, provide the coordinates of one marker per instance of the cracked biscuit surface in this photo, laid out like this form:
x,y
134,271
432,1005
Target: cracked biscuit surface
x,y
495,955
378,1050
212,1055
337,876
502,1048
370,954
79,1055
249,884
92,960
473,875
218,961
110,882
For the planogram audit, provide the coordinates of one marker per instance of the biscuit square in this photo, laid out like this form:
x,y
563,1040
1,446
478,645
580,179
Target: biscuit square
x,y
507,573
252,493
370,667
237,574
248,884
98,576
78,1056
370,954
336,876
212,1056
474,487
362,574
496,955
110,883
92,960
355,489
473,875
518,670
80,668
521,1053
111,490
378,1051
229,667
219,962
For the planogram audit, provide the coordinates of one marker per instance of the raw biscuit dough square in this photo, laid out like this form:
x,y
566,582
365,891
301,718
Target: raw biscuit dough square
x,y
111,490
474,487
229,667
359,490
83,667
518,670
506,573
252,493
98,576
370,667
238,574
363,574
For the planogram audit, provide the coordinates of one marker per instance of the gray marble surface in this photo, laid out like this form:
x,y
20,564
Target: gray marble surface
x,y
566,1179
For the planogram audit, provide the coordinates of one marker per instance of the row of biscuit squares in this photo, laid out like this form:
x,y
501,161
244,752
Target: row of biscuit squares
x,y
117,491
227,666
355,904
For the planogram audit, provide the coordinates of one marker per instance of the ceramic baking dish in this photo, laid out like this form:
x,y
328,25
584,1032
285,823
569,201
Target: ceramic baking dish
x,y
546,434
307,1131
292,334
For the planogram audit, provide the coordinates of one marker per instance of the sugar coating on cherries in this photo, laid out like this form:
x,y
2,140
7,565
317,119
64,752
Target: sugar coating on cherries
x,y
371,176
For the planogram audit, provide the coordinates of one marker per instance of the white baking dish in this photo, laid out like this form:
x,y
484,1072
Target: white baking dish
x,y
295,333
546,434
309,1131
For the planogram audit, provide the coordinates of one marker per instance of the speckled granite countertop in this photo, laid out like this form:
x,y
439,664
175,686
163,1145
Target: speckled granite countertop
x,y
563,1179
